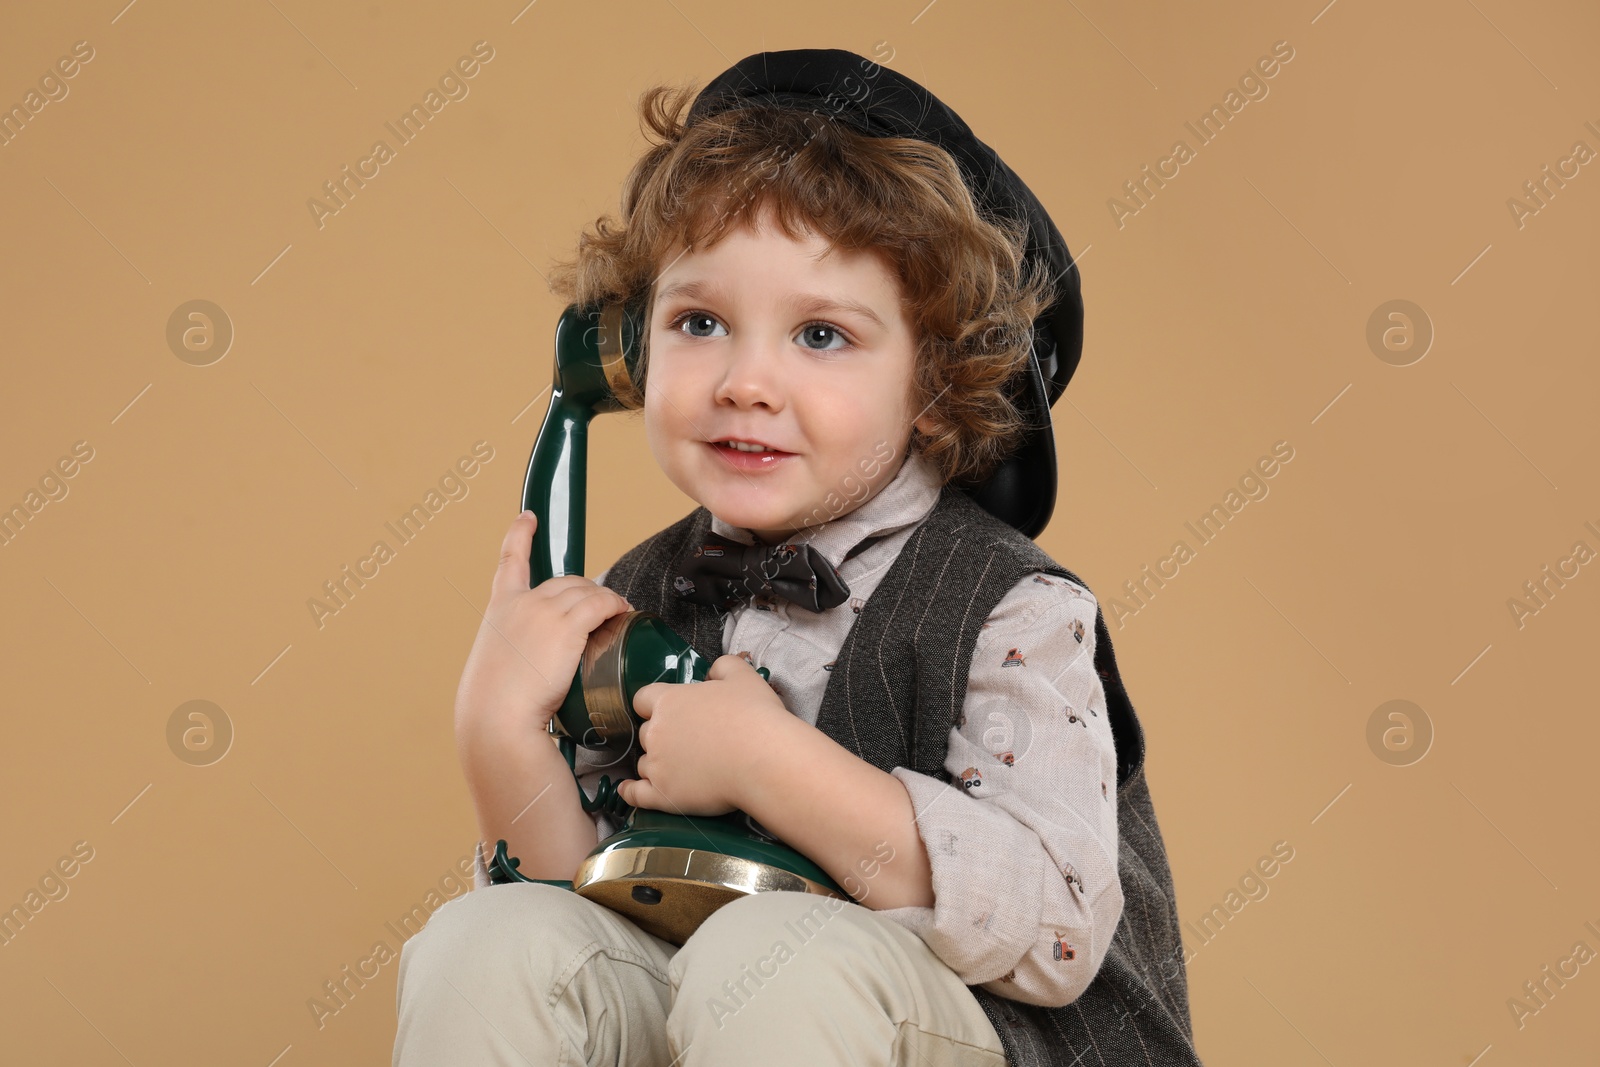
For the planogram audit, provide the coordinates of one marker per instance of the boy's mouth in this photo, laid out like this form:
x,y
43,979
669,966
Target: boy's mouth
x,y
748,455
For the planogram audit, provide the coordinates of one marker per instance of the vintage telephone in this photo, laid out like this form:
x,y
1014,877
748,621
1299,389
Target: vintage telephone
x,y
665,872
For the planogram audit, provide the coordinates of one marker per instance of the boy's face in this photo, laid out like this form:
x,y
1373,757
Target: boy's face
x,y
760,349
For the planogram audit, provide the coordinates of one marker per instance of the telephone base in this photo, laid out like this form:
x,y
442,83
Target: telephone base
x,y
669,892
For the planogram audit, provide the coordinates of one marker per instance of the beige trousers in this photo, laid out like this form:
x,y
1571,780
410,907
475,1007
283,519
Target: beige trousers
x,y
525,973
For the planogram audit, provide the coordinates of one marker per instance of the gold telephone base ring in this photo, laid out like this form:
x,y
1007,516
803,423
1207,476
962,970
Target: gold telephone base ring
x,y
669,892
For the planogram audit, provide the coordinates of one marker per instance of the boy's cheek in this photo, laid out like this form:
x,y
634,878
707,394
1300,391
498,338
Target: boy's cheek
x,y
673,390
663,412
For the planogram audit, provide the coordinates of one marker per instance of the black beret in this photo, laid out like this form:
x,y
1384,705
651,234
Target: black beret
x,y
880,102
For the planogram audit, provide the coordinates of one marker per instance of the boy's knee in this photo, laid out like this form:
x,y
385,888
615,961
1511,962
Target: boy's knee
x,y
763,931
497,925
798,915
780,962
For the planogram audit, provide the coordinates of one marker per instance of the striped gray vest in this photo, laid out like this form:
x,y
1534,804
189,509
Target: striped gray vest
x,y
904,668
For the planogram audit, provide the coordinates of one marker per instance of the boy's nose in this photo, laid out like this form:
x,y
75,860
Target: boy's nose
x,y
753,375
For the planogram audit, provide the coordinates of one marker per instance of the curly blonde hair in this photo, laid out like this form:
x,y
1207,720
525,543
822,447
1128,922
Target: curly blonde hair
x,y
968,291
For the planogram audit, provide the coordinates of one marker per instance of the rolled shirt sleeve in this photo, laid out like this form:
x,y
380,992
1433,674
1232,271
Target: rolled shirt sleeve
x,y
1022,842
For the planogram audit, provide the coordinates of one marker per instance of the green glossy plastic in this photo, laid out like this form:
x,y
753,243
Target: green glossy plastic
x,y
555,488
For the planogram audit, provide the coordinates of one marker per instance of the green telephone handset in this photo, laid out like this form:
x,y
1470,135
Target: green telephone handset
x,y
666,872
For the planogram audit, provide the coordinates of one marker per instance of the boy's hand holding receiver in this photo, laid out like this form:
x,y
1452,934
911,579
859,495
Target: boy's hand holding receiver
x,y
517,674
528,646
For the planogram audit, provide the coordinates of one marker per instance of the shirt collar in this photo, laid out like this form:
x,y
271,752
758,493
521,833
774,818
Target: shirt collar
x,y
906,500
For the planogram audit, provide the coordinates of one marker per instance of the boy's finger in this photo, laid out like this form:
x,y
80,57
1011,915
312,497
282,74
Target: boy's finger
x,y
727,665
644,699
632,791
513,573
588,606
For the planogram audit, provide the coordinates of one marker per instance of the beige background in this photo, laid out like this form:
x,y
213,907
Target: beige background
x,y
1229,313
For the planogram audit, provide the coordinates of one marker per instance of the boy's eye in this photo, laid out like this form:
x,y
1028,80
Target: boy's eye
x,y
695,319
821,330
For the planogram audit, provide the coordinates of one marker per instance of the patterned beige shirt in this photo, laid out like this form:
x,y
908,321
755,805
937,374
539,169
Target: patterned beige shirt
x,y
1032,759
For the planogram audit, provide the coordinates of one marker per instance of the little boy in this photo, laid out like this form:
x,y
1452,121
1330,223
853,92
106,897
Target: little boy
x,y
836,323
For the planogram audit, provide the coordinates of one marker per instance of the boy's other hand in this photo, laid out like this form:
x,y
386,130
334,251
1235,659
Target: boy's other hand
x,y
528,646
700,740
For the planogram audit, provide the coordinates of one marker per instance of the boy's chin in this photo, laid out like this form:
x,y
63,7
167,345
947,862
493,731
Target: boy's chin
x,y
777,527
756,506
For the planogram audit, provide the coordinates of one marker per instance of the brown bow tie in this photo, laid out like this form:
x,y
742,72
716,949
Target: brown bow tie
x,y
722,573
